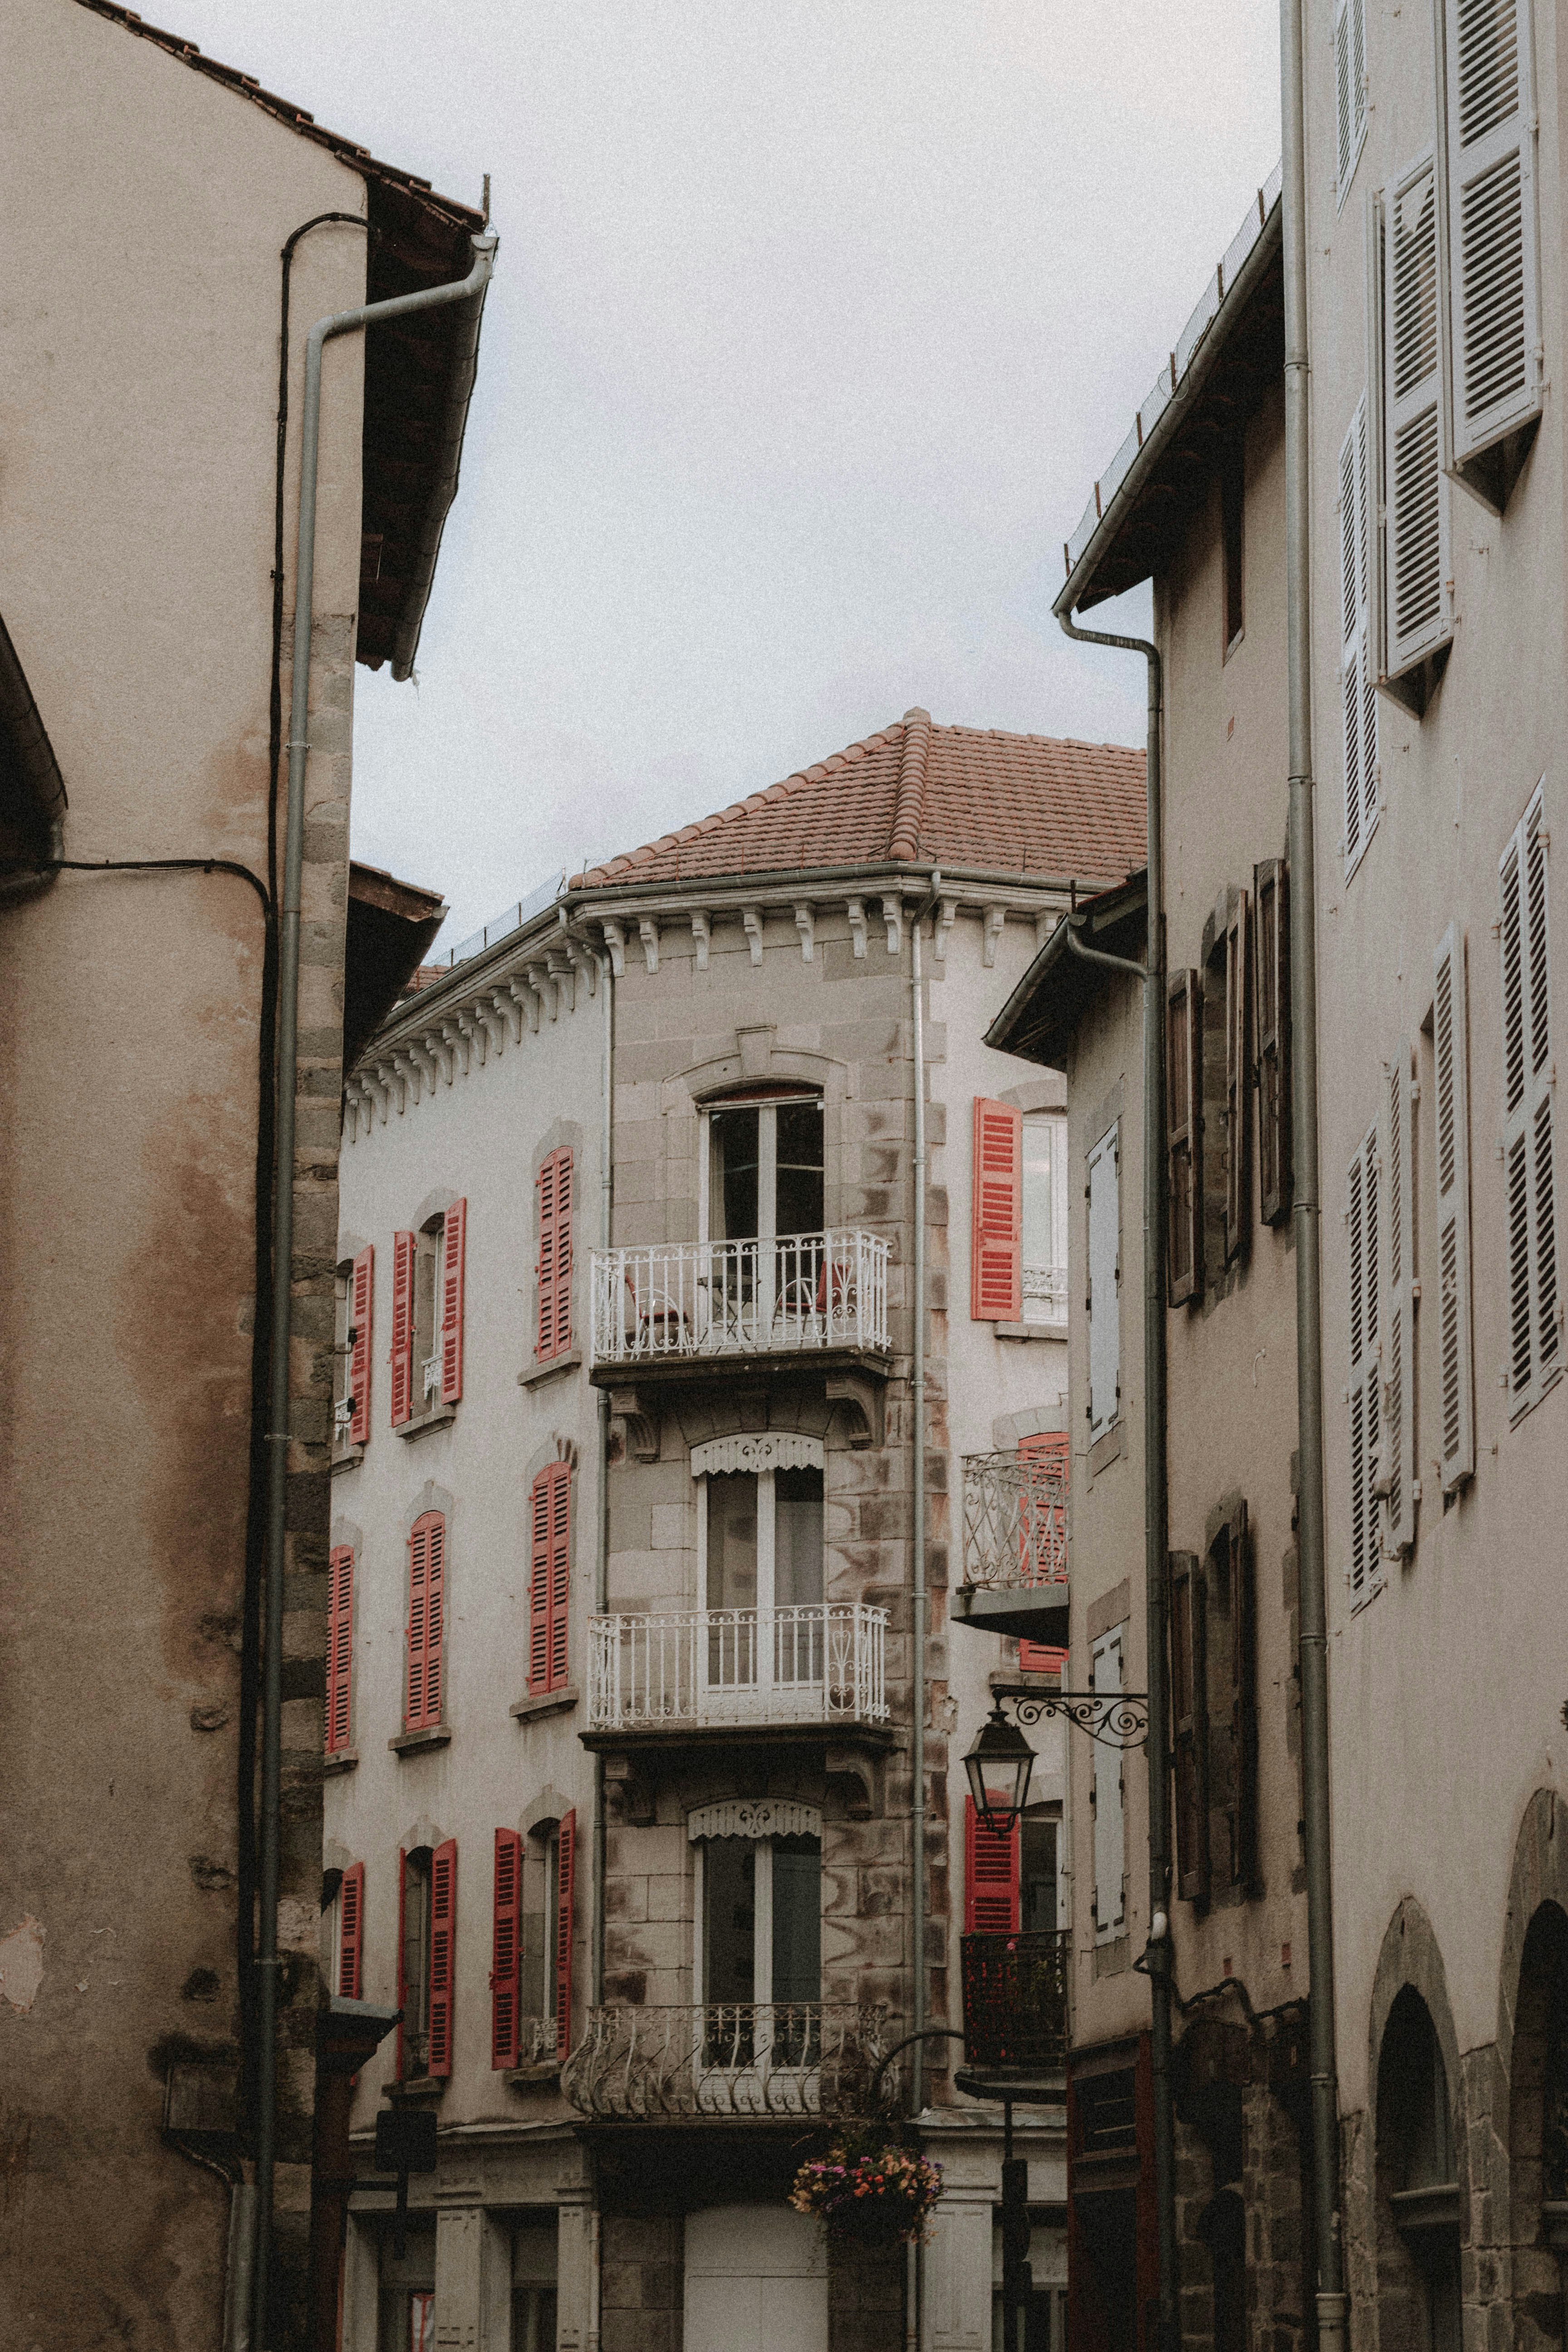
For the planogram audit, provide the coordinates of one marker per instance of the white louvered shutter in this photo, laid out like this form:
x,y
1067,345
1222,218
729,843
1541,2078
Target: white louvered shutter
x,y
1396,1469
1451,1158
1365,1381
1358,697
1534,1333
1110,1821
1414,493
1492,258
1349,89
1104,1286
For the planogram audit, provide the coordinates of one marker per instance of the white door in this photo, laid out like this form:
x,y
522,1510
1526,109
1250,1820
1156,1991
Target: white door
x,y
757,2281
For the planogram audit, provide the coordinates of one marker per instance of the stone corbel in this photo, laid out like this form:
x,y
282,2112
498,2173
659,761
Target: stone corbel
x,y
491,1023
410,1070
615,940
946,916
701,932
995,919
855,1775
893,916
640,1413
648,931
563,973
583,961
855,910
352,1099
526,1005
476,1033
539,980
1044,924
860,1400
627,1792
510,1013
374,1095
806,924
751,922
392,1079
419,1053
456,1045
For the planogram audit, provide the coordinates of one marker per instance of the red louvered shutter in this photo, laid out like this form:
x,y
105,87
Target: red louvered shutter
x,y
1051,1546
549,1577
351,1932
339,1645
454,1233
565,1880
402,1964
426,1576
997,1264
506,1962
989,1877
402,1327
443,1953
359,1358
559,1479
554,1269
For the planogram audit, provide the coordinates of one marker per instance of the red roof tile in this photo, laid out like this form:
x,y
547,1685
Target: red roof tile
x,y
1034,804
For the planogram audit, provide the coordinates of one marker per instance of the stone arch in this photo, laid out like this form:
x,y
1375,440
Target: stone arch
x,y
1416,2146
1532,2069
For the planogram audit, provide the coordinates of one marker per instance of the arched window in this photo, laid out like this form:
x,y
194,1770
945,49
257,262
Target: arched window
x,y
1418,2187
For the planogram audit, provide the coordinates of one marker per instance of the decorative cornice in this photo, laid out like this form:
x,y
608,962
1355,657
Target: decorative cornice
x,y
767,1449
753,1817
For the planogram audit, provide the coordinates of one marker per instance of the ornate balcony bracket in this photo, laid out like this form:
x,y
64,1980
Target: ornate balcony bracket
x,y
640,1415
855,1772
1116,1719
860,1401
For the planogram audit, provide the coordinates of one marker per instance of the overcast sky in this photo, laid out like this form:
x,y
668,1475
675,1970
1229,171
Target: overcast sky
x,y
813,322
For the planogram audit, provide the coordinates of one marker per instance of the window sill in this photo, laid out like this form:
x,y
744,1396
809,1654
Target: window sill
x,y
339,1759
537,1702
442,1417
541,2073
409,1743
349,1459
1058,1331
418,2090
538,1376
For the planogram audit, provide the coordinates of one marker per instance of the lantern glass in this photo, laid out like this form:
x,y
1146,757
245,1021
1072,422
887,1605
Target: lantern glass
x,y
999,1765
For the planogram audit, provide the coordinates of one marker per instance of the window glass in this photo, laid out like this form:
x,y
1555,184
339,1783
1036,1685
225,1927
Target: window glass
x,y
343,1352
732,1539
427,1316
799,1195
797,1536
417,1962
798,1920
734,1142
1037,1875
730,1923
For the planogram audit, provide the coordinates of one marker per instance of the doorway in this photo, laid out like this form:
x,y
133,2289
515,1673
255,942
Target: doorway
x,y
757,2281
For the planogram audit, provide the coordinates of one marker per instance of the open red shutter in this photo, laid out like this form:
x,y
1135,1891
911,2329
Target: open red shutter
x,y
539,1584
426,1575
351,1932
339,1645
435,1617
1049,1545
453,1231
402,1966
996,1265
443,1953
554,1257
359,1359
506,1991
565,1882
402,1327
989,1877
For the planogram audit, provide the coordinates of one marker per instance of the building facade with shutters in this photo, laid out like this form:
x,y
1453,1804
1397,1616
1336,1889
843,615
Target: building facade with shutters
x,y
621,1806
1199,513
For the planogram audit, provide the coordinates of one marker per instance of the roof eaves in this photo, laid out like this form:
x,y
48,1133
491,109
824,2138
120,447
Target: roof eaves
x,y
1059,984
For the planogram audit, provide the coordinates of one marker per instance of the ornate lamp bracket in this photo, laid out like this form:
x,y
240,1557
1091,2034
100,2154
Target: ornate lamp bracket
x,y
1116,1719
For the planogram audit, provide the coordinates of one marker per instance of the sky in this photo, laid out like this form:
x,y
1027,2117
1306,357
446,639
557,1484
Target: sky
x,y
813,324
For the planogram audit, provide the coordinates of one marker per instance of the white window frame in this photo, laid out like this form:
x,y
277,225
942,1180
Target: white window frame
x,y
1104,1353
1106,1678
767,1107
1055,1125
762,1932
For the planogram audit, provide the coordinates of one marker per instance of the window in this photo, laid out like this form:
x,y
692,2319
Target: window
x,y
1350,90
548,1868
1232,511
554,1268
424,1684
1104,1284
1489,142
1365,1387
550,1579
350,1354
426,1926
1271,968
762,1938
765,1168
1184,1146
1231,1745
340,1648
995,1276
990,1877
1044,1217
761,1562
1357,696
427,1278
1415,620
1106,1798
1451,1159
1534,1331
1037,1894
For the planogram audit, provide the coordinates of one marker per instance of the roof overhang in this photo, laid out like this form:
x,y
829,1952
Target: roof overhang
x,y
1239,355
1041,1017
32,790
390,926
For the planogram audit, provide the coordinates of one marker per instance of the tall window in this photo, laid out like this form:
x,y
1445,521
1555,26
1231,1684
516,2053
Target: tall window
x,y
1104,1189
428,1288
761,1560
765,1168
350,1354
549,1874
762,1926
427,1935
1044,1217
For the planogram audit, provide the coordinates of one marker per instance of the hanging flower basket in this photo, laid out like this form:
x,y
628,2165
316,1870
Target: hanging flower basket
x,y
868,2195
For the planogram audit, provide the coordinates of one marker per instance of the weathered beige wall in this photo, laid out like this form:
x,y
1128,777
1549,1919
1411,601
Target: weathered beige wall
x,y
145,206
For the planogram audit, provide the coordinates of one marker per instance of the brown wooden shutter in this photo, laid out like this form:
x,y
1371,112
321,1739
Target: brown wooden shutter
x,y
351,1932
454,1232
1189,1720
362,1297
1271,992
443,1954
566,1896
996,1262
1238,1072
506,1964
1184,1124
340,1645
402,1327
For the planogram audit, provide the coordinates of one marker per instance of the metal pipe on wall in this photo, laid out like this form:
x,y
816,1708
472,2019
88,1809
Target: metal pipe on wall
x,y
342,322
1306,1205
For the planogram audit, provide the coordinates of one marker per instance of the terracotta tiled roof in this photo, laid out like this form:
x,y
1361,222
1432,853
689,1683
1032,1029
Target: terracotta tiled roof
x,y
971,796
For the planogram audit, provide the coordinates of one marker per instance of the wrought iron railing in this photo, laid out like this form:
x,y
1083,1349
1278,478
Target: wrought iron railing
x,y
1016,1997
728,2059
1015,1521
802,1291
817,1661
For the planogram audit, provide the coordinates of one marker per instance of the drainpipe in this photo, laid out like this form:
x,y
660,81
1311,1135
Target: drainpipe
x,y
1306,1211
1155,1493
267,1964
920,1600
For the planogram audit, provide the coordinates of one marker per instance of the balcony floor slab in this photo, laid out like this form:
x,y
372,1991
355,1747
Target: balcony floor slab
x,y
1027,1613
760,1364
705,1739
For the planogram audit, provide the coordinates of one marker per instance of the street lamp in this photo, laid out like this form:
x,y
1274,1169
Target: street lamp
x,y
999,1765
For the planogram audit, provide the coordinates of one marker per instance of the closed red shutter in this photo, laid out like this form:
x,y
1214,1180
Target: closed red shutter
x,y
454,1231
339,1645
402,1966
426,1577
351,1932
359,1358
550,1578
443,1953
506,1961
997,1264
989,1877
565,1882
554,1268
402,1327
1049,1545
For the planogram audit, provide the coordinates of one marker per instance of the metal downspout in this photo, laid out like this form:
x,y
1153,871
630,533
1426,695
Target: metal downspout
x,y
919,1600
1306,1210
342,322
602,1548
1157,1532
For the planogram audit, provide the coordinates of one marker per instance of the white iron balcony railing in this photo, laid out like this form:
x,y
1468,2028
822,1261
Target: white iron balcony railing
x,y
1015,1521
663,1302
817,1661
726,2059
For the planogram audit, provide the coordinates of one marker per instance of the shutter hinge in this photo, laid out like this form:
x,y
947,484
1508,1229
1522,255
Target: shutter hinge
x,y
1415,1290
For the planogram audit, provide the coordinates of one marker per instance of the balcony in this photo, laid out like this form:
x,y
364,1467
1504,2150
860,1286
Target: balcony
x,y
818,1666
1016,2001
731,2062
1014,1547
681,1307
